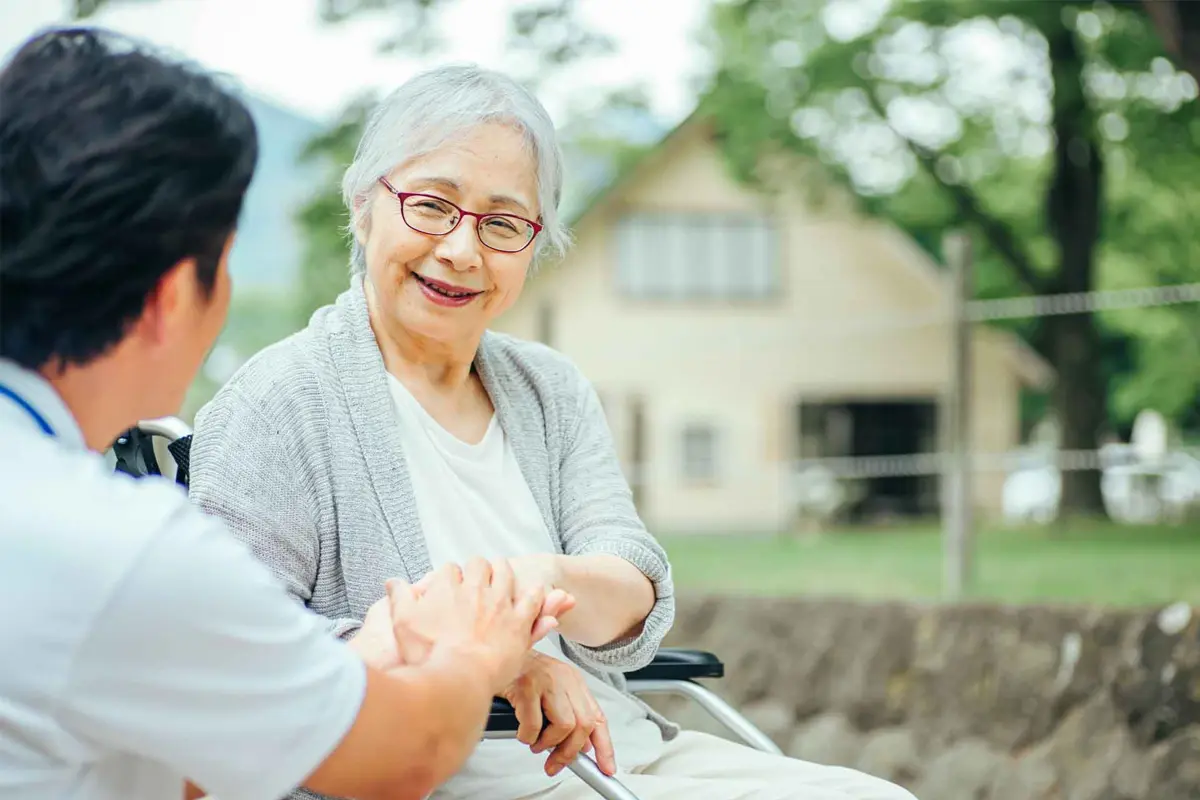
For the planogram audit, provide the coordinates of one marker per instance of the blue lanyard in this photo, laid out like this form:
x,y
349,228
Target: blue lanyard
x,y
30,410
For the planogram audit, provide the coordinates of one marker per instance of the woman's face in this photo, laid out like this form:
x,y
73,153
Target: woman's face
x,y
488,170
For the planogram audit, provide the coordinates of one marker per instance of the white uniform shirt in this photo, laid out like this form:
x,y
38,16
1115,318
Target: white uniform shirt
x,y
140,643
472,500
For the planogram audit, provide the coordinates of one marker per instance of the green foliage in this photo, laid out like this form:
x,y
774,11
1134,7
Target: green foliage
x,y
889,100
324,272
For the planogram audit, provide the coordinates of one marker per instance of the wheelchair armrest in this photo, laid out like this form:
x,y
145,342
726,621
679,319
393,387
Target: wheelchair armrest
x,y
503,717
671,664
677,664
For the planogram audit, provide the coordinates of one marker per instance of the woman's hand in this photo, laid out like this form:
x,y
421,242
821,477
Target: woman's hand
x,y
556,691
537,570
613,595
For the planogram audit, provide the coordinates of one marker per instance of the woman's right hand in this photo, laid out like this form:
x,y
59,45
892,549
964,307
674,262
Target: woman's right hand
x,y
472,613
557,713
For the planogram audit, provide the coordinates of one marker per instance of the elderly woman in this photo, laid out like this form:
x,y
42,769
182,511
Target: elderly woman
x,y
396,434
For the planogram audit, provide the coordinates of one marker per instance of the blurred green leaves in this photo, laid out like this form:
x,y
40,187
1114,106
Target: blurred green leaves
x,y
939,112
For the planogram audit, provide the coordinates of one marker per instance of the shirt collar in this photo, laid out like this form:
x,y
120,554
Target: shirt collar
x,y
37,392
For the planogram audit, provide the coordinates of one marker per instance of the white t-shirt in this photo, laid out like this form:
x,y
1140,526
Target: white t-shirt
x,y
140,643
472,500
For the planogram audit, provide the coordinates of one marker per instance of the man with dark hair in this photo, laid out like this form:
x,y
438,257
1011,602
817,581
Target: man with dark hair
x,y
142,646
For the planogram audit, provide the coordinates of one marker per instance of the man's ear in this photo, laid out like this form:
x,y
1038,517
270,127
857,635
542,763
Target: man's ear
x,y
165,300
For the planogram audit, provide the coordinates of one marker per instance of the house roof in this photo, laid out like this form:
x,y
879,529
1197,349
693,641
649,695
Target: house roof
x,y
633,167
1032,369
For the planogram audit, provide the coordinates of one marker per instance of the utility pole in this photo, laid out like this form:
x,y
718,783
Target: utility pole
x,y
957,472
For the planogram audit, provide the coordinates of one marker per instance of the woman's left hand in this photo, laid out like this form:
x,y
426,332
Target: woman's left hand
x,y
576,723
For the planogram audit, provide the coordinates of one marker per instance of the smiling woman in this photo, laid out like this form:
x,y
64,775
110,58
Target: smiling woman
x,y
396,435
444,247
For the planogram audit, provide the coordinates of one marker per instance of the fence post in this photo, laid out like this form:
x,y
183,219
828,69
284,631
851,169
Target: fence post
x,y
958,523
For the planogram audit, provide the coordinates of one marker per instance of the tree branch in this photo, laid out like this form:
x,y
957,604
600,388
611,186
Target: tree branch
x,y
998,233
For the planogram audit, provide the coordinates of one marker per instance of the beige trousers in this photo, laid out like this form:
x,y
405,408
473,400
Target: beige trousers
x,y
697,766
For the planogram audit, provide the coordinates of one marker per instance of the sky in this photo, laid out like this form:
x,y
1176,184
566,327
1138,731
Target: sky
x,y
279,49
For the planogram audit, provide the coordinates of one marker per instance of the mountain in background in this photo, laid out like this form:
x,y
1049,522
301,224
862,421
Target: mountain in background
x,y
270,245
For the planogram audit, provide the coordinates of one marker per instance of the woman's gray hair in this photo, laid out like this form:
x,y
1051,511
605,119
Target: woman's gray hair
x,y
433,108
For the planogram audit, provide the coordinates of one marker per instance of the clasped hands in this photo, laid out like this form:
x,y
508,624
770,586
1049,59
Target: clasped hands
x,y
495,612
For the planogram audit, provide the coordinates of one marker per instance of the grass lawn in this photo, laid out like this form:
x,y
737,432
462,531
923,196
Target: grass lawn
x,y
1090,563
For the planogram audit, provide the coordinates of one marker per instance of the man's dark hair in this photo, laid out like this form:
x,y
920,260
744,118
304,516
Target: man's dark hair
x,y
115,164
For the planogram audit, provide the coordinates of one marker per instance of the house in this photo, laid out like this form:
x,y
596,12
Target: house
x,y
731,332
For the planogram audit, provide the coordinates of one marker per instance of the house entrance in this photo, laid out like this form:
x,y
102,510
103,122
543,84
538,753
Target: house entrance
x,y
891,427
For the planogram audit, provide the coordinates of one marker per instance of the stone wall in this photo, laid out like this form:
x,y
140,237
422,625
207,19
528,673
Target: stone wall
x,y
965,702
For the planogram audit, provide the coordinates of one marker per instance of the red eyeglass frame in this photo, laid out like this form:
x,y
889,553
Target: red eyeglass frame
x,y
462,212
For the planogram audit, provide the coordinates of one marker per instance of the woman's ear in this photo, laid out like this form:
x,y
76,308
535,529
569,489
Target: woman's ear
x,y
362,221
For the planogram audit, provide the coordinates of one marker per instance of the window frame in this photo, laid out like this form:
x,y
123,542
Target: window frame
x,y
687,462
634,282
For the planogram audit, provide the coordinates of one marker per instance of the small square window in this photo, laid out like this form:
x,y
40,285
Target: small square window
x,y
699,453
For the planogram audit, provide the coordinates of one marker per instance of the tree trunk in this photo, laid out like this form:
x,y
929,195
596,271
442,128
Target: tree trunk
x,y
1073,346
1073,209
1178,24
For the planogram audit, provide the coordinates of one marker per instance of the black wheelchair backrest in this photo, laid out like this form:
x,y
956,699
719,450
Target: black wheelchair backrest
x,y
134,452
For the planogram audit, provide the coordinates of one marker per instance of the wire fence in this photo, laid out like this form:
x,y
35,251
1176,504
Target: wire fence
x,y
998,309
1082,302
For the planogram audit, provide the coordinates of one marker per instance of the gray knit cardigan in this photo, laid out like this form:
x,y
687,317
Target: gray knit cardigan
x,y
300,454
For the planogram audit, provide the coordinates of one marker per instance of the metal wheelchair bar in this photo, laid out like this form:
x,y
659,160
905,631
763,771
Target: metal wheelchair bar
x,y
587,770
724,713
171,428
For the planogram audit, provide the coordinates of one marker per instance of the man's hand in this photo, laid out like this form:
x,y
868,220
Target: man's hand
x,y
471,613
576,723
375,641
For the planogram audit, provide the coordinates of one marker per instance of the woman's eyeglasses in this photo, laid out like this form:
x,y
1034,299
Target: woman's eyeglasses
x,y
436,216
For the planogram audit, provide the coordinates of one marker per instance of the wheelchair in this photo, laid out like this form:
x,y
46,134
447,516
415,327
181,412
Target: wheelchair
x,y
162,447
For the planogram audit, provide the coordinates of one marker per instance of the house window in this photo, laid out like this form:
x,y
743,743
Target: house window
x,y
699,453
682,256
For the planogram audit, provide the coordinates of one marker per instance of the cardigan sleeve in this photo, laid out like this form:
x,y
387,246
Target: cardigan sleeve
x,y
597,515
252,476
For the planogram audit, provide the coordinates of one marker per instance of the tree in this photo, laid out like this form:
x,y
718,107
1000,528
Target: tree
x,y
884,96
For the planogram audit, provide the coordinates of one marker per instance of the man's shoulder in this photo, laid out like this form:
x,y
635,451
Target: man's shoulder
x,y
73,530
54,496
